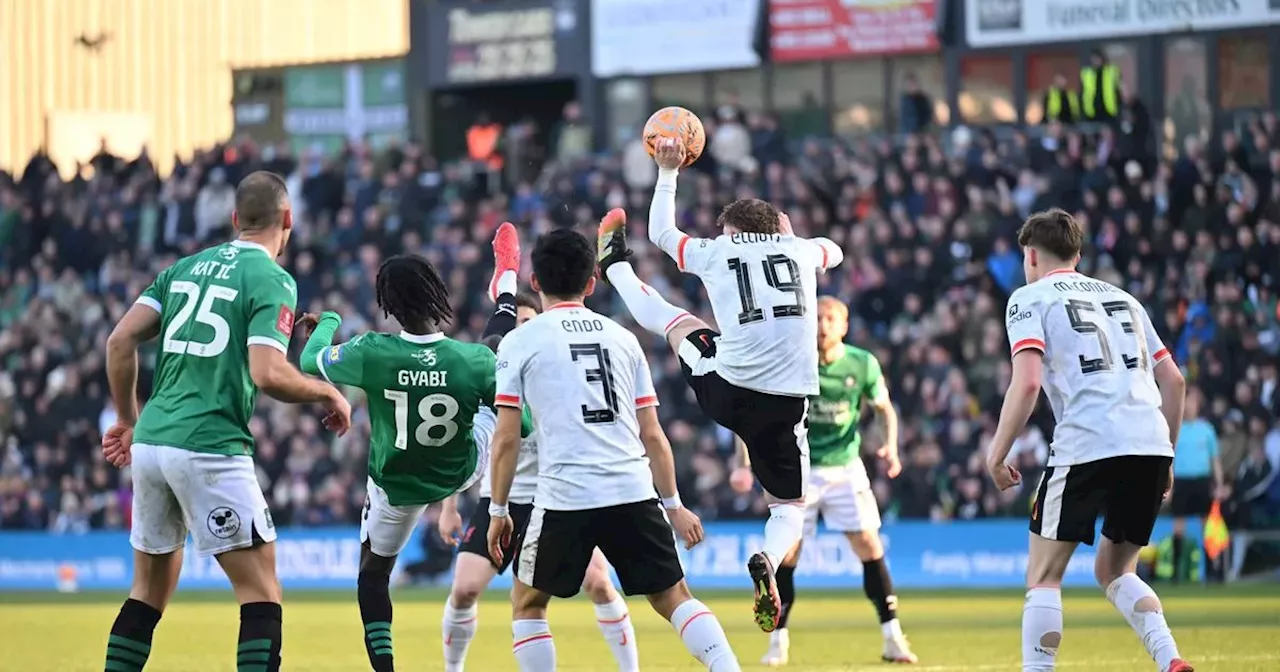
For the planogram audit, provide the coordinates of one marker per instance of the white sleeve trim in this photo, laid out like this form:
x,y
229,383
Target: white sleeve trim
x,y
149,302
263,340
320,364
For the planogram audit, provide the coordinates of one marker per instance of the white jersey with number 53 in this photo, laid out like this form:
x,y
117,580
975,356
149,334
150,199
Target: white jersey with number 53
x,y
763,291
1099,352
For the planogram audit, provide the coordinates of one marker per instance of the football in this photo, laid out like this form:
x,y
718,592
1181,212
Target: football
x,y
676,122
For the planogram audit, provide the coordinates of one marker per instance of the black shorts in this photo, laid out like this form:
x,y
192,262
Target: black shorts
x,y
635,538
1192,497
475,539
1127,491
775,428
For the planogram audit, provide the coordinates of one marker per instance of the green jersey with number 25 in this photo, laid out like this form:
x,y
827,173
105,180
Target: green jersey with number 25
x,y
423,393
213,305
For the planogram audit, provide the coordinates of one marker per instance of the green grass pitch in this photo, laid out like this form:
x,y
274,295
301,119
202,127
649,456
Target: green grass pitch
x,y
1234,629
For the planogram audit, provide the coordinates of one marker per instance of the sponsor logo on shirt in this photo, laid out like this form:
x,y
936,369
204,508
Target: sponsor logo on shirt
x,y
425,357
1015,316
334,355
229,252
284,322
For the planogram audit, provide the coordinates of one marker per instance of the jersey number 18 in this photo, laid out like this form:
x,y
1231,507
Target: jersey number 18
x,y
429,419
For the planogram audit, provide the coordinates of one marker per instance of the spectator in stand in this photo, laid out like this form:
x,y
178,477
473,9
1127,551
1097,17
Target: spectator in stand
x,y
1100,88
915,109
1061,104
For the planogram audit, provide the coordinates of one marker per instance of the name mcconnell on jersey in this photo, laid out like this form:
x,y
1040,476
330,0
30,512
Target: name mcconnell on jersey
x,y
1099,352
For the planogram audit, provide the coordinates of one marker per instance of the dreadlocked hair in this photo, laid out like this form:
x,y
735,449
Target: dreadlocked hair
x,y
410,290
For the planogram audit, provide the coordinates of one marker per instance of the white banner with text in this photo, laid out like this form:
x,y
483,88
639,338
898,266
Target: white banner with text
x,y
997,23
653,37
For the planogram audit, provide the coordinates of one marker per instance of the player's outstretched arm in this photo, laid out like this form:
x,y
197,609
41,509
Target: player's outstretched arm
x,y
663,466
341,364
662,210
140,324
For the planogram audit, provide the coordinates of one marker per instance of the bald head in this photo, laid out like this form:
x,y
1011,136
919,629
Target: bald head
x,y
261,202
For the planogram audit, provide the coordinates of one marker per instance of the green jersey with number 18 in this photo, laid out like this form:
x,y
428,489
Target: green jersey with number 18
x,y
213,305
423,393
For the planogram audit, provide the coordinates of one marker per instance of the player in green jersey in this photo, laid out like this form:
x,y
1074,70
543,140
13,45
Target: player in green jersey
x,y
838,487
224,316
430,401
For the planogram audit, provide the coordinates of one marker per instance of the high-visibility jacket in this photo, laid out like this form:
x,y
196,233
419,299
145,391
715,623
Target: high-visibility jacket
x,y
482,144
1061,105
1100,91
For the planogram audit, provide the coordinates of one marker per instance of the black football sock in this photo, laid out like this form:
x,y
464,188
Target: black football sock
x,y
375,611
786,580
879,589
259,647
129,644
503,319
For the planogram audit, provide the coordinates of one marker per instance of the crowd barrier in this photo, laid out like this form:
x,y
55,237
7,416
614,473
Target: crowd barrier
x,y
976,554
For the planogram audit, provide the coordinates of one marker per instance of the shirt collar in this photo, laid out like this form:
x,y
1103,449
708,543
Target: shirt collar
x,y
250,245
422,339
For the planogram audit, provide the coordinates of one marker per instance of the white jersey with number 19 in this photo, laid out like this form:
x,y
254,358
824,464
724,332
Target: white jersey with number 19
x,y
1099,352
763,292
583,376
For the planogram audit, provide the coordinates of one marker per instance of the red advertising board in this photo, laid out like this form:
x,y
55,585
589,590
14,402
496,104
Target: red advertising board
x,y
802,30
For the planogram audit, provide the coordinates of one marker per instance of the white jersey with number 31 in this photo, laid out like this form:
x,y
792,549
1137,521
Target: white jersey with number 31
x,y
1099,352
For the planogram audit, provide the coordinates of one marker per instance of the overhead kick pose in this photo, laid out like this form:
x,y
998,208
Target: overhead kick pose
x,y
474,570
753,377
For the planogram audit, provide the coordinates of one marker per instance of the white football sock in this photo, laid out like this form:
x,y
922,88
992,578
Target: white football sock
x,y
891,629
532,644
508,283
615,625
782,531
1135,600
457,629
646,305
703,636
1041,629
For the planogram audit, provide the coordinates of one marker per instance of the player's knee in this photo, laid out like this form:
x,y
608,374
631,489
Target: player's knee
x,y
1147,605
665,602
528,603
598,587
866,545
465,592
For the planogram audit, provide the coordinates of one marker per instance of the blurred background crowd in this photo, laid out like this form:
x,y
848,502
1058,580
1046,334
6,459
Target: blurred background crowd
x,y
927,219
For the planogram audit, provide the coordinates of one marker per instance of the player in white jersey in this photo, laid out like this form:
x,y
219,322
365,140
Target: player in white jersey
x,y
1117,397
473,570
601,450
754,375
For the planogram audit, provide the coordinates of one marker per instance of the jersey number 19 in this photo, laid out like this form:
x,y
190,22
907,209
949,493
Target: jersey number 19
x,y
428,419
750,311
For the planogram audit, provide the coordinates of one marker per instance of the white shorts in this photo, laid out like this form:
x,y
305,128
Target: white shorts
x,y
844,498
386,527
214,497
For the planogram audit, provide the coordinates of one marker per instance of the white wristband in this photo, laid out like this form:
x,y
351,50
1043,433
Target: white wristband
x,y
498,510
672,502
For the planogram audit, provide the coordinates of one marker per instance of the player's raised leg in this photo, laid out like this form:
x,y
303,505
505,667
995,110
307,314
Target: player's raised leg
x,y
612,615
504,285
645,304
779,651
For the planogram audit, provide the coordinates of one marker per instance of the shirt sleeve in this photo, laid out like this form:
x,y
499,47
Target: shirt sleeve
x,y
509,372
1155,346
694,255
271,304
646,395
827,255
1024,322
341,364
153,296
873,385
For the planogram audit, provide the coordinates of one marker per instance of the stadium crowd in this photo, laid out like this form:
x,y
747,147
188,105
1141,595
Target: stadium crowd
x,y
928,223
